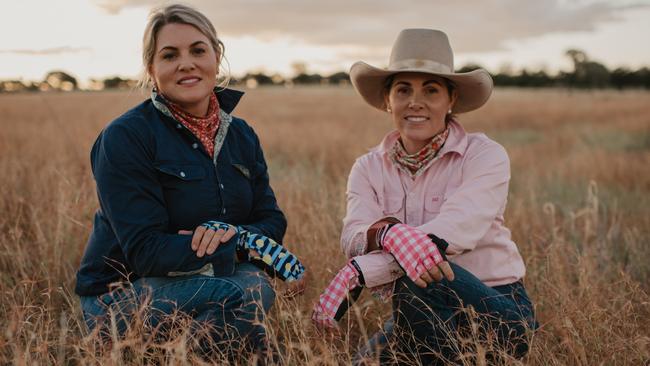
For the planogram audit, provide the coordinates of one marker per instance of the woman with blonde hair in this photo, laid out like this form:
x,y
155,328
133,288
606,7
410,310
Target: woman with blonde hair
x,y
425,212
187,219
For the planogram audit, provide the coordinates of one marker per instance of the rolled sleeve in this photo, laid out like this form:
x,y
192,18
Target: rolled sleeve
x,y
378,268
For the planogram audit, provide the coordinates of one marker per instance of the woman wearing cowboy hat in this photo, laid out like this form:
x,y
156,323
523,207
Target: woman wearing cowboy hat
x,y
425,210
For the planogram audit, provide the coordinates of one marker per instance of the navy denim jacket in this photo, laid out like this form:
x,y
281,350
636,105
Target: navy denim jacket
x,y
153,179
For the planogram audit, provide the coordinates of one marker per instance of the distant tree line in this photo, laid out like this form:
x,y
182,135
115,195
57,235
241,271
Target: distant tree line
x,y
586,74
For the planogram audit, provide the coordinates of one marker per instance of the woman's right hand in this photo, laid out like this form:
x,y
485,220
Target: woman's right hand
x,y
417,254
206,240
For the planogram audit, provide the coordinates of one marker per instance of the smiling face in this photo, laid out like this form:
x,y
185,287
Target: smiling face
x,y
184,67
418,105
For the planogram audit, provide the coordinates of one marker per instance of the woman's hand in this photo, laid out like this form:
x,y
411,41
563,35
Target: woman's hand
x,y
297,287
336,298
206,240
441,270
436,273
417,253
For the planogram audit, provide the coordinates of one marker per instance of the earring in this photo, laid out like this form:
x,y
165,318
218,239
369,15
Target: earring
x,y
449,111
388,109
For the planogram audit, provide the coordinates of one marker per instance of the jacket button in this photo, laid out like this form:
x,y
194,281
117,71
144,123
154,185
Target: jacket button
x,y
223,211
221,185
195,145
182,174
179,126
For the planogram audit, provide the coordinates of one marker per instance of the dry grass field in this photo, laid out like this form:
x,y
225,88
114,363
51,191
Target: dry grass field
x,y
579,208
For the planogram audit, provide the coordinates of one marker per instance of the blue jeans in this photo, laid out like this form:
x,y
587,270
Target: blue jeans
x,y
427,322
232,307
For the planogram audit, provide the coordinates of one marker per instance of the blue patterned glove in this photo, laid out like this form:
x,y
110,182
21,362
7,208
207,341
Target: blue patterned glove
x,y
273,257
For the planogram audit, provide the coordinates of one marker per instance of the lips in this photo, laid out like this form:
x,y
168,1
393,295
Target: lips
x,y
416,118
189,80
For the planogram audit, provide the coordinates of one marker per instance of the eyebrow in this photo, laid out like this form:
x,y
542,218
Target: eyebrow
x,y
175,48
431,81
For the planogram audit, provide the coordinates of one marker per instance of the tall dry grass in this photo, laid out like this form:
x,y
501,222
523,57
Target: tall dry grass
x,y
578,208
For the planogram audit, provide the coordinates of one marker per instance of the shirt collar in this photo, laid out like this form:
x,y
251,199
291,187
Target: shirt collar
x,y
456,141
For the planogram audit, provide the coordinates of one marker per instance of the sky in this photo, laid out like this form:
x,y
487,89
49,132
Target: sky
x,y
102,38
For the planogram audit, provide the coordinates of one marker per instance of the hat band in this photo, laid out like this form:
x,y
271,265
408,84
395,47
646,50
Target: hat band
x,y
414,63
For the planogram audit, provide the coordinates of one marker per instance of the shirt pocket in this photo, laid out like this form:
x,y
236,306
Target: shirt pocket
x,y
393,206
432,204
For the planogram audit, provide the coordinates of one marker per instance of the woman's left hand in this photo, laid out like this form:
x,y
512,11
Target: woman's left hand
x,y
206,241
297,287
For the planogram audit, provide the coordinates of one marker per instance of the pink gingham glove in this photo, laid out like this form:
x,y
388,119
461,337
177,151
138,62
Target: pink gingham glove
x,y
333,302
412,248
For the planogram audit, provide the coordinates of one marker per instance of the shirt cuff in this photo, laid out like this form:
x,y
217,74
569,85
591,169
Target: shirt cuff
x,y
378,268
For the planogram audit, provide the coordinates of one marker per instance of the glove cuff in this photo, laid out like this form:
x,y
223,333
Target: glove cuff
x,y
441,244
359,274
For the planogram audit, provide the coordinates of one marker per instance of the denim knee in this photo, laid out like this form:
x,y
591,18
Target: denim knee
x,y
255,285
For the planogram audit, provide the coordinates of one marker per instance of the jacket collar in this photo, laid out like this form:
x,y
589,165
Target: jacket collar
x,y
456,141
228,98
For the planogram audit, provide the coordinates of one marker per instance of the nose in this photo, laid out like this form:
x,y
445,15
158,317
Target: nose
x,y
186,64
416,101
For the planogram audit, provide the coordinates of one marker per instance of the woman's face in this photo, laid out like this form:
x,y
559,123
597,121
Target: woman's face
x,y
418,104
184,67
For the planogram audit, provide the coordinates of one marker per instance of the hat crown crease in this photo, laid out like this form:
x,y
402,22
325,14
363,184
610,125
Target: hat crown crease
x,y
422,44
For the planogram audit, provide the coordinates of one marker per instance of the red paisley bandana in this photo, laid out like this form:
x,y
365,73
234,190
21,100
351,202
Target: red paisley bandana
x,y
203,128
415,164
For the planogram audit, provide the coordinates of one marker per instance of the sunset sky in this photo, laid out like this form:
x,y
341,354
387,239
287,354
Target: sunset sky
x,y
100,38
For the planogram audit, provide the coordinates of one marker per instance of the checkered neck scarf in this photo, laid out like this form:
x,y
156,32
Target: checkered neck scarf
x,y
204,128
415,164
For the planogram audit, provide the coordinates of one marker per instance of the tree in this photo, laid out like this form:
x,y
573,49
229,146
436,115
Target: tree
x,y
587,74
307,79
339,78
117,82
60,80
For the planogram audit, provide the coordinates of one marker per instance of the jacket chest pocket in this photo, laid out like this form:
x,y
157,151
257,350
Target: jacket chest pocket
x,y
187,193
237,187
180,174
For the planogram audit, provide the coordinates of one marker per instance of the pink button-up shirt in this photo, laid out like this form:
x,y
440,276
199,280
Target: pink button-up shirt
x,y
460,197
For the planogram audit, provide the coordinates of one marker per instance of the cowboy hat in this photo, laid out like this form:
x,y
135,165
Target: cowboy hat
x,y
427,51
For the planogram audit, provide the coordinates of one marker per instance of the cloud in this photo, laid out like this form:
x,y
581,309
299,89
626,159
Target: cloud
x,y
47,51
370,26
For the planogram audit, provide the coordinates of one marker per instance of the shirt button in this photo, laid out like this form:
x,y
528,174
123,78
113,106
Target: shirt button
x,y
179,126
182,174
195,145
223,210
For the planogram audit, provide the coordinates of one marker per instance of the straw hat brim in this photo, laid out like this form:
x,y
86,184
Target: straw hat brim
x,y
474,88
